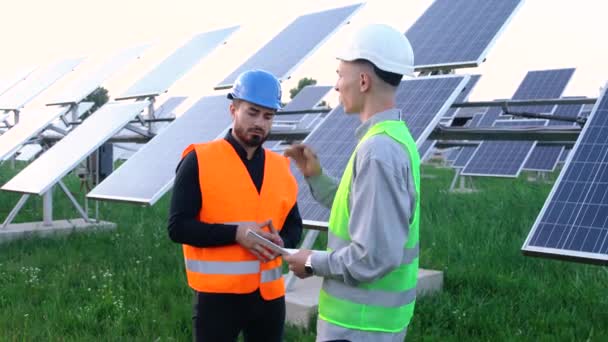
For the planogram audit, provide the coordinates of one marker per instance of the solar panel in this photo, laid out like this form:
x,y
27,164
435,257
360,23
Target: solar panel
x,y
464,156
30,124
28,152
175,66
428,146
29,127
87,84
502,158
564,155
307,98
422,101
50,167
149,173
10,81
294,43
463,96
545,157
458,33
504,155
573,222
25,91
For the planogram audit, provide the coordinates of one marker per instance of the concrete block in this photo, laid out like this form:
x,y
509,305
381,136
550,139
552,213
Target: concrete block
x,y
21,230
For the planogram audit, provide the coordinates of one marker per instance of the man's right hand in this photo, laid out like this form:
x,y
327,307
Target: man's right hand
x,y
306,160
260,252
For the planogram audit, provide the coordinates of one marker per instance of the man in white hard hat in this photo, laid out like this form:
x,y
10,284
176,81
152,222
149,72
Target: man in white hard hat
x,y
371,266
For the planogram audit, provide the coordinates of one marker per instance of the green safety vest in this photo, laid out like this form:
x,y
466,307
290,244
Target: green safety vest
x,y
386,304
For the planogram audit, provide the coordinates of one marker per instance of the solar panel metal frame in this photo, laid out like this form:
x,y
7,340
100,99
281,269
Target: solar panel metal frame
x,y
88,83
229,80
419,140
482,56
135,90
572,255
140,162
124,112
32,87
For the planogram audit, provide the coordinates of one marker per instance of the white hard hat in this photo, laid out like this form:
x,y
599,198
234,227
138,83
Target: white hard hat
x,y
384,46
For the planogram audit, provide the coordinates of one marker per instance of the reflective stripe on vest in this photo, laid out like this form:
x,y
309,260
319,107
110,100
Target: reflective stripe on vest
x,y
386,304
229,196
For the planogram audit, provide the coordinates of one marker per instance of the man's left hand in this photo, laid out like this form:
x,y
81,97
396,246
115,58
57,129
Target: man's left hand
x,y
296,262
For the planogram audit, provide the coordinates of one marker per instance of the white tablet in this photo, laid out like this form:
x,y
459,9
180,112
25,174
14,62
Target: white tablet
x,y
269,244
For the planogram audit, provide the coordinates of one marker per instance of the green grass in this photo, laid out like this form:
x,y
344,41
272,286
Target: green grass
x,y
129,284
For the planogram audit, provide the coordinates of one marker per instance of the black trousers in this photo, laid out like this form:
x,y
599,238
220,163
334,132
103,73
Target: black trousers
x,y
220,317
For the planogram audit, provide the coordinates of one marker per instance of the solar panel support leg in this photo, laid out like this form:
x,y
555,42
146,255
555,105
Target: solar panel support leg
x,y
151,115
74,110
74,202
15,211
309,241
47,208
455,179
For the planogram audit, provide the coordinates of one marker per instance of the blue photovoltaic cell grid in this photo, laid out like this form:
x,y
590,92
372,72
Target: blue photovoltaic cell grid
x,y
564,155
489,158
294,43
458,32
574,220
544,157
466,152
505,155
421,101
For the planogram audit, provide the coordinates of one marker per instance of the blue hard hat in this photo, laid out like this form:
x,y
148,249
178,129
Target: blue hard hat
x,y
258,87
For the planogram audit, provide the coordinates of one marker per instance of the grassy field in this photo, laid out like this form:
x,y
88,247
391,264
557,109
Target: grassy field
x,y
128,284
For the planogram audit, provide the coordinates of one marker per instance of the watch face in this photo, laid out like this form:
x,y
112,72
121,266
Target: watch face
x,y
308,269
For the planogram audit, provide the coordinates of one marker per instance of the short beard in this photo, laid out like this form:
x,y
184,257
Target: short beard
x,y
255,141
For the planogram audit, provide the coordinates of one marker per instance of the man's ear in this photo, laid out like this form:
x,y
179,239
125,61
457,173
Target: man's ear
x,y
232,111
365,82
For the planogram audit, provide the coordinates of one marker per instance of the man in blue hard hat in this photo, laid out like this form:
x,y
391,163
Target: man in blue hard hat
x,y
223,189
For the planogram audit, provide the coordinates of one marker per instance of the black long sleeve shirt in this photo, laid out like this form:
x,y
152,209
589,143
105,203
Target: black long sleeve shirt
x,y
186,202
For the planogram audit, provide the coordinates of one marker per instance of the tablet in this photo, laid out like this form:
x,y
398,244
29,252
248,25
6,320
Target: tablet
x,y
269,244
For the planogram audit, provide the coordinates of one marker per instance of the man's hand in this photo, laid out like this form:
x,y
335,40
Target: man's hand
x,y
306,160
260,252
296,263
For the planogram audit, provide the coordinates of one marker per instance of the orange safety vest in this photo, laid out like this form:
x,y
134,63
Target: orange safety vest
x,y
230,196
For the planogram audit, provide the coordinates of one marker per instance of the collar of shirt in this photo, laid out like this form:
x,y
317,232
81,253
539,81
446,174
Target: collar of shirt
x,y
391,114
240,150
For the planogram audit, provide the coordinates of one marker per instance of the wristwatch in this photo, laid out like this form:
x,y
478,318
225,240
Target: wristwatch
x,y
308,265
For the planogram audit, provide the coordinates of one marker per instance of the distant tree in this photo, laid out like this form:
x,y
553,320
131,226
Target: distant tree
x,y
301,84
99,97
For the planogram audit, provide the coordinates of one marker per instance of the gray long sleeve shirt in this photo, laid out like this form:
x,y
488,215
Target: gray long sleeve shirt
x,y
381,202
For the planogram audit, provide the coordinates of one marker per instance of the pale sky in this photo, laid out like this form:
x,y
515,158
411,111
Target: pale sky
x,y
544,34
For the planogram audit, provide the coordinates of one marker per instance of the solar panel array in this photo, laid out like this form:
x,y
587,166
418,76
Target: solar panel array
x,y
506,158
422,101
457,33
149,173
573,223
175,66
294,43
545,157
39,176
489,158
